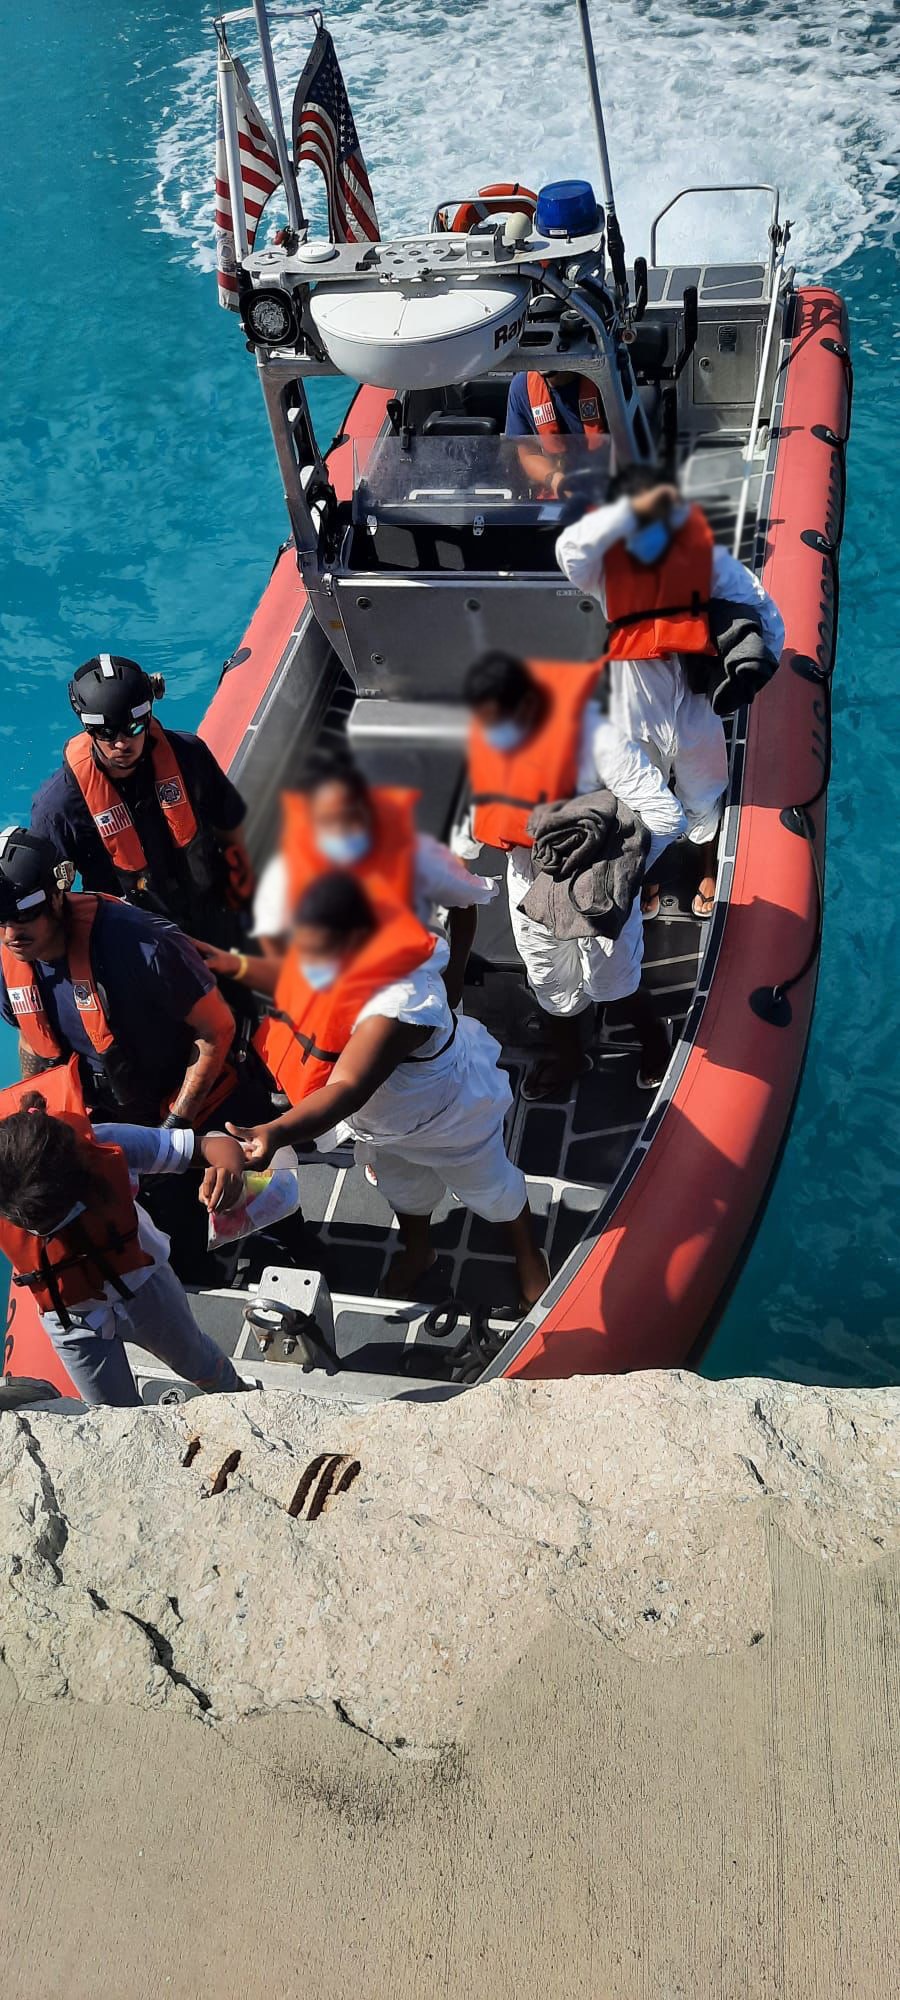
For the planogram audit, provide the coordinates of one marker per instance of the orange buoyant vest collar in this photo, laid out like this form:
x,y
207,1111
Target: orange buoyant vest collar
x,y
658,608
99,1246
109,812
390,862
307,1036
545,417
26,999
506,785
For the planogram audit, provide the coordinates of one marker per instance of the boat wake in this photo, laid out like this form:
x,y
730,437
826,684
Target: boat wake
x,y
456,92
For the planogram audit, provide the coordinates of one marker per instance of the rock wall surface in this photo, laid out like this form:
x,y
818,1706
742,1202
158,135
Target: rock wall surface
x,y
387,1564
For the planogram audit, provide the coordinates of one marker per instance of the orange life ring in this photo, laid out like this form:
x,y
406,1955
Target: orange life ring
x,y
501,198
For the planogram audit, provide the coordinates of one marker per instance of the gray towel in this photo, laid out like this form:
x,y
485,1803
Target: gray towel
x,y
742,664
588,863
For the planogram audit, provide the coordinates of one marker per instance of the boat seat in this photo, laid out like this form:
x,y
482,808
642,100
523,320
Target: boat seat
x,y
649,350
418,743
452,423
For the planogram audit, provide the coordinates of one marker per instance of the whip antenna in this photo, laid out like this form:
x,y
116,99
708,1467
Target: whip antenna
x,y
614,241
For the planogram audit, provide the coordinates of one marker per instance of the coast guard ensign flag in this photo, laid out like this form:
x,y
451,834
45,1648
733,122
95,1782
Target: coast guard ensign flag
x,y
260,173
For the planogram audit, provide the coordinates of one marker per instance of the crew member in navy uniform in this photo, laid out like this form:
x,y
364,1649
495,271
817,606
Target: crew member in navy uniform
x,y
143,812
548,409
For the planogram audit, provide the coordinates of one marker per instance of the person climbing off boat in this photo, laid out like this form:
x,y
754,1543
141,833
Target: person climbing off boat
x,y
365,1038
145,812
85,1249
652,562
539,734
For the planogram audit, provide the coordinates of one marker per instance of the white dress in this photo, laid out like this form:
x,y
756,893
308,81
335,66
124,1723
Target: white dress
x,y
650,700
438,1123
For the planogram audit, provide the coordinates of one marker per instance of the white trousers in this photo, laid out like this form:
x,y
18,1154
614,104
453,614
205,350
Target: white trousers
x,y
568,975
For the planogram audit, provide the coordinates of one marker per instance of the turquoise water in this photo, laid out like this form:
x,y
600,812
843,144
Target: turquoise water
x,y
141,505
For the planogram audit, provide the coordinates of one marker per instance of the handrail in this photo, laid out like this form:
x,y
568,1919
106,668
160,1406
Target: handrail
x,y
779,250
725,187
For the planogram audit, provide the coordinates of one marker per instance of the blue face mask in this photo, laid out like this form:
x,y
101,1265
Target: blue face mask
x,y
647,544
505,735
344,848
320,973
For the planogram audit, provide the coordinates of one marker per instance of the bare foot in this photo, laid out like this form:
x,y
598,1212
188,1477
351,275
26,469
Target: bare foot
x,y
404,1272
534,1277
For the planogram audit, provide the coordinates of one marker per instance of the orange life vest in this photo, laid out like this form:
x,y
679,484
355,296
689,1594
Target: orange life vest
x,y
390,861
658,608
506,785
96,1248
303,1041
121,838
546,420
36,1030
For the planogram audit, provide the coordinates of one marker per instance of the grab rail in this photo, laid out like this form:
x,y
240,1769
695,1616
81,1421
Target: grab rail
x,y
725,187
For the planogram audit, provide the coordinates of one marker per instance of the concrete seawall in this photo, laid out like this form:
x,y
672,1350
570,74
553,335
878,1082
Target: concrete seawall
x,y
578,1688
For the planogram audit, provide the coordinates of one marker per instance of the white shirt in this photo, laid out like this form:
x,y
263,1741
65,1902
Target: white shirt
x,y
440,881
620,764
581,554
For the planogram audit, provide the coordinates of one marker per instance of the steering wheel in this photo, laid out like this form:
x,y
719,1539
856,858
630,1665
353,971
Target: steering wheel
x,y
584,483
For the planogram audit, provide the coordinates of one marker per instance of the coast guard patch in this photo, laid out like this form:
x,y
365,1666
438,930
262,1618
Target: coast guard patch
x,y
169,792
84,995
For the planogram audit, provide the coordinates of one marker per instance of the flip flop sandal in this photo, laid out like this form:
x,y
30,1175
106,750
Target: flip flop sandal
x,y
558,1087
702,916
652,909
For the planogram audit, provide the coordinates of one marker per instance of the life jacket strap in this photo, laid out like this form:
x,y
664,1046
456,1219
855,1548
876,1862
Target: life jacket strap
x,y
507,799
448,1044
310,1047
695,609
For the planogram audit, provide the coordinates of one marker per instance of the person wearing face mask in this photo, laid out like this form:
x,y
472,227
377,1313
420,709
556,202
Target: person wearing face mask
x,y
143,812
652,562
539,733
545,410
364,1039
336,820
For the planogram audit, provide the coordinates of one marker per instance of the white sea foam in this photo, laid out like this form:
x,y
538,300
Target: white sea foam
x,y
449,94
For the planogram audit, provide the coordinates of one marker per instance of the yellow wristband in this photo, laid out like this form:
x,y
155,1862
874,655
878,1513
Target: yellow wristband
x,y
242,964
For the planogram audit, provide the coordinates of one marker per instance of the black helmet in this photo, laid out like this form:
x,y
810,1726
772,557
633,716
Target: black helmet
x,y
110,692
29,873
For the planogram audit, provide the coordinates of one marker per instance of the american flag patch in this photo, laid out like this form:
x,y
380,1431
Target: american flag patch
x,y
116,819
544,413
25,999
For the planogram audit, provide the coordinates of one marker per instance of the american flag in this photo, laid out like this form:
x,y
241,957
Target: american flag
x,y
324,133
260,174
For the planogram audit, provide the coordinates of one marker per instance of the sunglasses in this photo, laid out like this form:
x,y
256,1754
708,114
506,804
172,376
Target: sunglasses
x,y
129,729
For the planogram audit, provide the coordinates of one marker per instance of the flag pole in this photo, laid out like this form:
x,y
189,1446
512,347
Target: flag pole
x,y
296,217
232,153
613,232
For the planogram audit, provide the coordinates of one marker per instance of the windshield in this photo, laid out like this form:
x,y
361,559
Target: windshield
x,y
476,481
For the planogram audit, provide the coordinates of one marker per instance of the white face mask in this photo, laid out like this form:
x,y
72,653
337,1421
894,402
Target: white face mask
x,y
506,735
320,973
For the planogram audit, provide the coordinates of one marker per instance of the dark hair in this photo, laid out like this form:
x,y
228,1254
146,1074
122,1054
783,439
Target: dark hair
x,y
332,767
336,902
635,479
43,1172
498,677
